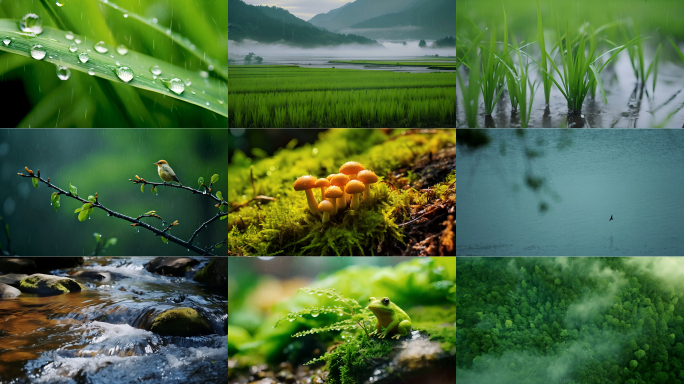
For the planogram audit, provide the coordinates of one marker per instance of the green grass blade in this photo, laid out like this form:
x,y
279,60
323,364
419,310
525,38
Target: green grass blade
x,y
598,82
542,46
209,93
654,65
177,38
681,56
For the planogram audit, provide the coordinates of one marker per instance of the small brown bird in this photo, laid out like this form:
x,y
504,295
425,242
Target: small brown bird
x,y
166,173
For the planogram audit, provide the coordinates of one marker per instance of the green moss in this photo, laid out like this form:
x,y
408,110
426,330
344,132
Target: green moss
x,y
287,227
351,362
203,275
181,322
31,285
433,313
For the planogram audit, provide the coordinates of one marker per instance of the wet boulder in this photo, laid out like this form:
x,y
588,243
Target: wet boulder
x,y
49,285
7,291
50,263
171,266
214,274
13,279
103,277
181,322
17,265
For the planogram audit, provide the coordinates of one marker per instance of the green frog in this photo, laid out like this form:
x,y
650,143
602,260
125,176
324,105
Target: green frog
x,y
390,317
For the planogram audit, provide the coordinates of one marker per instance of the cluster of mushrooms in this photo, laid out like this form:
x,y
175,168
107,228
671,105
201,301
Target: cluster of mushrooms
x,y
337,189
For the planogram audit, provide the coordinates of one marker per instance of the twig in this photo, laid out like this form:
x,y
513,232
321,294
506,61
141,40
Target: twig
x,y
218,215
136,222
140,180
213,247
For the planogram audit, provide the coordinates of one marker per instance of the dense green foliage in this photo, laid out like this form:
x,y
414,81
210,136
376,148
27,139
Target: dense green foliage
x,y
258,23
570,320
286,96
433,64
448,41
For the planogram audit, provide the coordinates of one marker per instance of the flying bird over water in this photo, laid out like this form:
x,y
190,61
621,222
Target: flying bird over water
x,y
611,217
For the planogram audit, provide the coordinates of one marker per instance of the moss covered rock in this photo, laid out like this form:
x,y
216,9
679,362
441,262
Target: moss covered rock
x,y
181,322
215,273
49,285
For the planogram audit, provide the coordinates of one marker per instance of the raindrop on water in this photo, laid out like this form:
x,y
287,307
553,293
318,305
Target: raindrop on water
x,y
83,56
63,72
156,70
91,72
175,85
122,49
73,47
38,52
69,35
125,74
31,23
100,47
6,40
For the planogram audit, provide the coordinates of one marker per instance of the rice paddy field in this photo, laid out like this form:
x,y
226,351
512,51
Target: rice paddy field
x,y
570,63
285,96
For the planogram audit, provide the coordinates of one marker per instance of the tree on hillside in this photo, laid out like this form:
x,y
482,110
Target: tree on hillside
x,y
422,44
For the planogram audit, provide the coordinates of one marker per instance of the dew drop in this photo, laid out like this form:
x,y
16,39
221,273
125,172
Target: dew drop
x,y
6,40
125,15
118,63
69,35
210,67
193,92
63,72
175,85
91,72
168,31
83,56
207,106
38,52
156,70
204,74
188,82
100,47
78,41
221,102
125,74
58,3
73,47
154,20
31,23
122,50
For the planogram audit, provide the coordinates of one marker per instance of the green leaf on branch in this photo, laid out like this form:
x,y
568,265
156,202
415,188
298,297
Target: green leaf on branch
x,y
73,190
219,246
199,182
111,241
150,213
83,215
214,178
91,198
56,204
141,188
78,210
35,182
154,189
223,217
164,239
219,195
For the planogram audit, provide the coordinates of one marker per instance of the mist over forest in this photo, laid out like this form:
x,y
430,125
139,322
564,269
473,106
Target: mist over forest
x,y
570,320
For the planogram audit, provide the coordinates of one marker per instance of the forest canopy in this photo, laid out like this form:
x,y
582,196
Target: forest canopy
x,y
570,320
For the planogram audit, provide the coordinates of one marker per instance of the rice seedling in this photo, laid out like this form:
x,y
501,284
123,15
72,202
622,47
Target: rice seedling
x,y
681,56
546,79
579,66
471,93
492,76
636,59
519,83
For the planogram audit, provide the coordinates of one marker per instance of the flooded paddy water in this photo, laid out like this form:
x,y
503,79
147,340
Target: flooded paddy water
x,y
99,335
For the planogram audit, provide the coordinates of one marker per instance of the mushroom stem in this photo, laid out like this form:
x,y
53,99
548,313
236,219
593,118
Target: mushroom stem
x,y
313,204
326,217
342,202
366,192
334,203
355,201
322,193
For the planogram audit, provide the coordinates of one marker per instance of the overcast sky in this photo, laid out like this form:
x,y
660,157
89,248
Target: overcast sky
x,y
304,9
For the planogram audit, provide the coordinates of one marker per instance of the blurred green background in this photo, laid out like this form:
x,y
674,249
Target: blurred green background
x,y
40,99
656,18
102,161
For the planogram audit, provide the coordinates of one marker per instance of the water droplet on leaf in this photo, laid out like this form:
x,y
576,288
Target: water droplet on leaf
x,y
69,35
122,50
100,47
156,70
57,3
63,72
117,63
175,85
77,41
154,20
31,23
125,74
38,52
73,47
83,56
188,82
125,15
6,40
204,74
91,72
210,67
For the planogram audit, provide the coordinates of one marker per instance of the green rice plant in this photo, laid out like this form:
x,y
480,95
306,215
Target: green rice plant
x,y
681,56
546,78
520,84
636,59
579,69
510,77
492,76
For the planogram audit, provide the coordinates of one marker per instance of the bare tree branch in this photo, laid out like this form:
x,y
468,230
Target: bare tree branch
x,y
136,222
140,180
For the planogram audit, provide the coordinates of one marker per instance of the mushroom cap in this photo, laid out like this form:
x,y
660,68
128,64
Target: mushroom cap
x,y
304,182
355,186
330,176
367,177
325,206
351,168
322,183
339,179
333,192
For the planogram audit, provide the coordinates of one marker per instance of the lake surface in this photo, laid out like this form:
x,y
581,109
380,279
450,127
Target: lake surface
x,y
98,335
634,175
